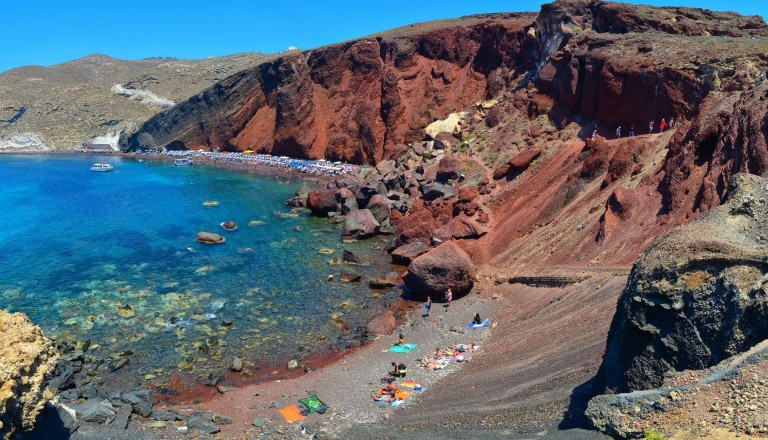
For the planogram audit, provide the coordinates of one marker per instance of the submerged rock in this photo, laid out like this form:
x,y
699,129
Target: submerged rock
x,y
229,225
209,238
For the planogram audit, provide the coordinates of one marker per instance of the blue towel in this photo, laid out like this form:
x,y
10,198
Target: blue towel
x,y
484,324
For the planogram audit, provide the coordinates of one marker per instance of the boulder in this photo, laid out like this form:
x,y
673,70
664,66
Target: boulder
x,y
383,324
408,252
349,275
695,297
445,141
346,199
322,201
28,356
237,364
385,167
417,226
229,225
448,168
209,238
379,207
460,227
199,425
387,281
468,194
352,257
436,190
94,411
360,223
445,267
141,402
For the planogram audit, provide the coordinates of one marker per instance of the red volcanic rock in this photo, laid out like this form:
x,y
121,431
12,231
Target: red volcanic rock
x,y
382,325
619,207
355,101
408,252
468,194
448,168
515,166
444,267
417,226
360,223
322,201
445,141
459,228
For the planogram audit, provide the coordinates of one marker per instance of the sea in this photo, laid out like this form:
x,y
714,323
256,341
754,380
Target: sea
x,y
108,263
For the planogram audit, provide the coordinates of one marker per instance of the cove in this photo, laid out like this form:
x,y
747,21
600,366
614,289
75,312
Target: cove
x,y
108,261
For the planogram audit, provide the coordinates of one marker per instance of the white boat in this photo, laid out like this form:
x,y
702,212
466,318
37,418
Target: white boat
x,y
182,162
101,167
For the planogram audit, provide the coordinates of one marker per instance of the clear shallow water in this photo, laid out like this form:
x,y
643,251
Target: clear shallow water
x,y
111,258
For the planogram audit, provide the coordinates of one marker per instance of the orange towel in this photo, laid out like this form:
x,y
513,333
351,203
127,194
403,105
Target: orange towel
x,y
291,414
401,395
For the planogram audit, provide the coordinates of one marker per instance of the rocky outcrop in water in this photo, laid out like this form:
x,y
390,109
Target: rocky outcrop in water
x,y
27,357
696,297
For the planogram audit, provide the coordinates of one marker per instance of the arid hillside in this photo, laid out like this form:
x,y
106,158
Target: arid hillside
x,y
69,103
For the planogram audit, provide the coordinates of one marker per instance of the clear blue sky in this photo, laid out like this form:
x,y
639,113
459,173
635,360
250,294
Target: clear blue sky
x,y
47,32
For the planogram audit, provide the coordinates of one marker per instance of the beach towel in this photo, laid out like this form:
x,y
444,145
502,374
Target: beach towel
x,y
401,395
405,348
291,414
411,384
313,404
484,324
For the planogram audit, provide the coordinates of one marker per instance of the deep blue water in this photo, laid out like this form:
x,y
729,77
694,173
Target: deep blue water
x,y
111,258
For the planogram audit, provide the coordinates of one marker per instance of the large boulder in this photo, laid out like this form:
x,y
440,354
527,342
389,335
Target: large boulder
x,y
27,357
696,297
460,227
417,226
444,267
379,207
360,223
322,201
209,238
383,324
448,168
436,190
408,252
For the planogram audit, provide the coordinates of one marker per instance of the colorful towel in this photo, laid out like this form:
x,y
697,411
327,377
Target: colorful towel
x,y
313,404
401,395
484,324
405,348
411,384
291,414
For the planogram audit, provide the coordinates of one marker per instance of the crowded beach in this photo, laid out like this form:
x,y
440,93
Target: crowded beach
x,y
314,167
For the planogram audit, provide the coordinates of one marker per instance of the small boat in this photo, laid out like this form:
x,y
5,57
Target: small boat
x,y
182,162
101,167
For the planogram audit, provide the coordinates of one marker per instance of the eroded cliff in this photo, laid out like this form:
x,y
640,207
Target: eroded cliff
x,y
26,357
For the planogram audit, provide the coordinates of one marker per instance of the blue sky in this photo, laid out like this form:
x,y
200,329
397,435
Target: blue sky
x,y
46,32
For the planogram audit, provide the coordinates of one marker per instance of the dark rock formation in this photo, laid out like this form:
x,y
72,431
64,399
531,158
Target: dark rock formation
x,y
696,297
322,201
444,267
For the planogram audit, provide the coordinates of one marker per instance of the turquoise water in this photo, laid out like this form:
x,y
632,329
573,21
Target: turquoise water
x,y
111,258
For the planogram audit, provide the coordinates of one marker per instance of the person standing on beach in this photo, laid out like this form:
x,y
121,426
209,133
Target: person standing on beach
x,y
650,127
448,297
428,306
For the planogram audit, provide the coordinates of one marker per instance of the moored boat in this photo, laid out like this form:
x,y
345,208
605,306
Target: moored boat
x,y
101,167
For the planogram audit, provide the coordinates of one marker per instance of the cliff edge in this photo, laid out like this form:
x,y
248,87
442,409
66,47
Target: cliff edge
x,y
26,357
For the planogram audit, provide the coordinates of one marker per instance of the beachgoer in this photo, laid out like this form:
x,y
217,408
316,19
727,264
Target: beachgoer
x,y
402,370
672,122
389,389
650,126
632,131
428,305
400,340
477,319
662,125
448,297
618,132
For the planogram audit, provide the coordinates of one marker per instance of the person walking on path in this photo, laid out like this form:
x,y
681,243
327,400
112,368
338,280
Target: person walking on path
x,y
662,125
618,132
594,134
448,297
428,306
632,131
650,127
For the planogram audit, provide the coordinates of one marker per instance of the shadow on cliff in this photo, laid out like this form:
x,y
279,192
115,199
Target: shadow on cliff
x,y
574,416
49,426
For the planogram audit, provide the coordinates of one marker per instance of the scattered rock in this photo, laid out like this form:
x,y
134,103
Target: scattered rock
x,y
259,422
93,411
360,223
209,238
141,402
406,253
293,364
349,275
199,425
237,364
229,225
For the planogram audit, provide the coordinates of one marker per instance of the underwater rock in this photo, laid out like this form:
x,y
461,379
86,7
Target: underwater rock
x,y
209,238
229,225
293,364
237,364
125,310
349,275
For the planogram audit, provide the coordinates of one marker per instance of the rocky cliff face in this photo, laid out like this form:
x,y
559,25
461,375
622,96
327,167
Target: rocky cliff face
x,y
26,356
353,101
696,297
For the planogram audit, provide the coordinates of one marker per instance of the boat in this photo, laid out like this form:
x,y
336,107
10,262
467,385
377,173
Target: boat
x,y
182,162
101,167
